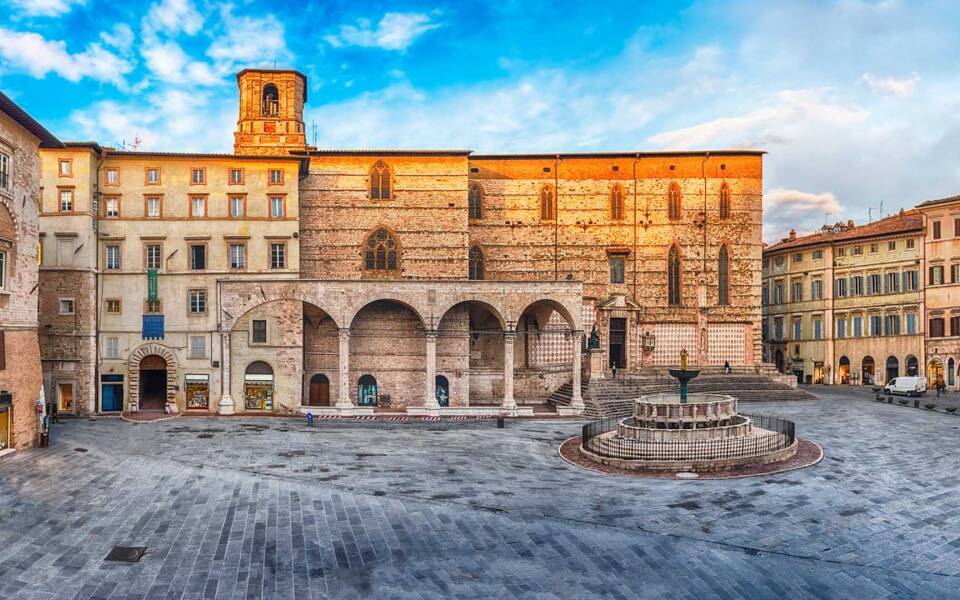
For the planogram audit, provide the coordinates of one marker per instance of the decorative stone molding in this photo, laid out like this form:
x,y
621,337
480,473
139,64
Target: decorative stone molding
x,y
133,368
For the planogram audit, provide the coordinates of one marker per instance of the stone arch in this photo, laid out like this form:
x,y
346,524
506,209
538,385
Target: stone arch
x,y
557,306
133,368
229,323
349,322
493,310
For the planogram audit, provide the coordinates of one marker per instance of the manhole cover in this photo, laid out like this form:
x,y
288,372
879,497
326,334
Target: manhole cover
x,y
79,449
130,554
686,475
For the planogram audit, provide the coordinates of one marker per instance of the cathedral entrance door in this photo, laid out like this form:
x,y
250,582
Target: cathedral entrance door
x,y
618,343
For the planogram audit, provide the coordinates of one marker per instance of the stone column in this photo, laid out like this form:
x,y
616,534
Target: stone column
x,y
508,400
343,376
430,395
226,405
577,398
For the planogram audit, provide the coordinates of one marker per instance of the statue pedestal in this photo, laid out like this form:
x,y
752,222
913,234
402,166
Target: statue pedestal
x,y
683,376
595,363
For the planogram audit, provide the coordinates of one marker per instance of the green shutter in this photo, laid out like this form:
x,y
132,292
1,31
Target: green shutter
x,y
152,285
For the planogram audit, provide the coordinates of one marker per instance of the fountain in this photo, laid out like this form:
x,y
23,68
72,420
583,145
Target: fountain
x,y
683,376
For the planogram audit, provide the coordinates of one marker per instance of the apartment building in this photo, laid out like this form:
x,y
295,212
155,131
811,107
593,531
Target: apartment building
x,y
942,293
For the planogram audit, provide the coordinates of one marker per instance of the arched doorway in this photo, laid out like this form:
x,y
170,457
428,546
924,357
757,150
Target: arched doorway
x,y
844,371
867,370
367,392
470,349
319,390
153,382
258,386
934,372
443,391
893,368
913,366
951,370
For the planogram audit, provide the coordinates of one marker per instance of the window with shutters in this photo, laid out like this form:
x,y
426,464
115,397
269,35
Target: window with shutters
x,y
238,256
955,325
935,225
936,275
198,176
112,349
198,256
113,305
936,327
856,285
858,326
113,257
198,301
816,289
911,319
841,327
796,291
198,346
152,256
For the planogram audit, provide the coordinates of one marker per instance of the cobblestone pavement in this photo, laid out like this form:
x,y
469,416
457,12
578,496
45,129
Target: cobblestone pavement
x,y
250,508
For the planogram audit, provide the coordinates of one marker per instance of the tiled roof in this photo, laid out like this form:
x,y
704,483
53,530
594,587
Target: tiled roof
x,y
47,139
546,155
910,220
130,153
939,201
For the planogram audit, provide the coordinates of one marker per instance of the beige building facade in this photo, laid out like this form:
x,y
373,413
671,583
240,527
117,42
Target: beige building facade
x,y
942,292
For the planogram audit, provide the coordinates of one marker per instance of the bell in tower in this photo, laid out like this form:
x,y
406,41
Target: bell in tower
x,y
271,112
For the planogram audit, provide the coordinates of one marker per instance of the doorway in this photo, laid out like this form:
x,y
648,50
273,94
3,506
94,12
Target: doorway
x,y
443,391
5,411
153,382
367,391
893,368
844,371
867,368
319,391
618,343
111,393
64,397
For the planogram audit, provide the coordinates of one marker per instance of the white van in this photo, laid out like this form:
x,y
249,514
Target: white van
x,y
908,386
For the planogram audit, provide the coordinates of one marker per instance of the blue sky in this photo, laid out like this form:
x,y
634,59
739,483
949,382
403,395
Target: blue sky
x,y
856,101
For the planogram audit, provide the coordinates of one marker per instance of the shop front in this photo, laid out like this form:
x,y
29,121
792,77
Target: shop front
x,y
258,387
197,392
6,420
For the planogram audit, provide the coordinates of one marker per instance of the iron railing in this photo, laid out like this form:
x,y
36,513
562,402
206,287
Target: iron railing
x,y
631,449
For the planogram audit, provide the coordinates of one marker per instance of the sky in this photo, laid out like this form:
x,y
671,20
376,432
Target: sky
x,y
855,101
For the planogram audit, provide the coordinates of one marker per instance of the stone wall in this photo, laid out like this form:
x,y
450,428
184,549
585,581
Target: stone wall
x,y
68,342
283,352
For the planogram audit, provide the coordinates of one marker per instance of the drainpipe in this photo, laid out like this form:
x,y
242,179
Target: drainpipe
x,y
96,289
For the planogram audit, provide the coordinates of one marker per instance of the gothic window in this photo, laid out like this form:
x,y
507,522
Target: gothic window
x,y
476,263
379,181
673,201
547,206
723,277
475,201
725,201
616,202
381,252
270,104
673,276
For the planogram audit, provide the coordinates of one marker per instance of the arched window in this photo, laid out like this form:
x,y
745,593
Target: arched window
x,y
673,276
381,252
270,104
380,181
673,201
725,201
476,263
547,206
616,202
443,391
475,201
367,391
723,277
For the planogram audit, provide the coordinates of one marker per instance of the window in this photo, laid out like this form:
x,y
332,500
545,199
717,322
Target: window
x,y
198,206
873,284
936,229
818,255
816,289
152,306
198,176
154,207
936,275
113,305
476,267
278,256
3,270
765,296
874,248
4,171
857,250
936,327
66,200
381,252
778,261
198,301
152,176
858,326
817,328
911,244
891,325
841,251
113,257
152,256
547,207
276,177
911,280
379,181
270,101
238,256
856,285
876,325
674,277
797,329
796,291
956,227
778,328
66,167
111,207
475,202
67,306
198,346
891,283
955,325
911,323
723,277
238,206
798,257
673,201
617,267
236,176
277,209
954,272
891,246
112,347
840,288
113,176
724,201
778,292
258,329
616,202
198,256
841,327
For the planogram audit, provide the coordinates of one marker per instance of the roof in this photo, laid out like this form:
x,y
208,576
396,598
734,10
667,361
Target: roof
x,y
111,153
375,152
86,144
906,221
618,154
294,71
939,201
47,139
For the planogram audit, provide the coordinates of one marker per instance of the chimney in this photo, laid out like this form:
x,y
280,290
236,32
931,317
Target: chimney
x,y
793,234
850,224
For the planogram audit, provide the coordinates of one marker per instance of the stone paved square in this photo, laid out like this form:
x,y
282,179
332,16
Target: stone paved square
x,y
271,508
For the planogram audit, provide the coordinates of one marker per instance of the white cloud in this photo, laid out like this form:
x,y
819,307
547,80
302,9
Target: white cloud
x,y
168,62
793,209
890,85
46,8
248,40
172,17
39,56
395,31
119,37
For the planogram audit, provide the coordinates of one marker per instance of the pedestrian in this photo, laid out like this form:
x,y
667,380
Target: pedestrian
x,y
614,370
938,389
726,367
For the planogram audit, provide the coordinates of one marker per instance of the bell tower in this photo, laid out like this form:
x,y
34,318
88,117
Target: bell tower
x,y
271,112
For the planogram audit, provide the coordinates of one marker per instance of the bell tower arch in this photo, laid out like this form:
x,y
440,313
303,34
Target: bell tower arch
x,y
271,112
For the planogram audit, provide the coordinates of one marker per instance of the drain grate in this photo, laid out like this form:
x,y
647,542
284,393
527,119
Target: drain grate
x,y
129,554
80,450
204,436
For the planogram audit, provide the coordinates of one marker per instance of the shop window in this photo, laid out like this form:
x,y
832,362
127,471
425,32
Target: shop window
x,y
258,386
197,391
